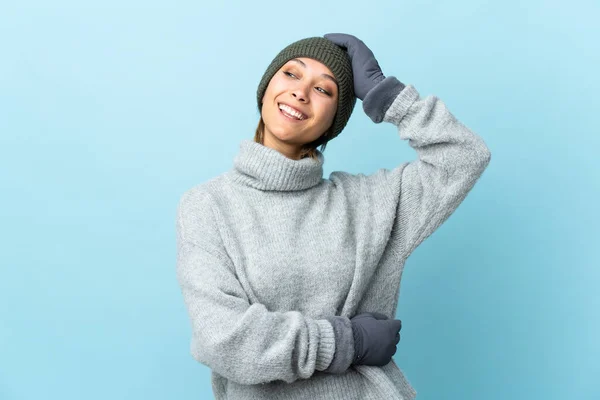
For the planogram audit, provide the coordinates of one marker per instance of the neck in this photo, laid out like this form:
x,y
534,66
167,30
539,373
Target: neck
x,y
290,150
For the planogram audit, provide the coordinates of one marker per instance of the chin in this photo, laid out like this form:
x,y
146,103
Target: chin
x,y
282,134
290,139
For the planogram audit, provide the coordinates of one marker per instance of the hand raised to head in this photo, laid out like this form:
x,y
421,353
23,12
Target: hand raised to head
x,y
365,67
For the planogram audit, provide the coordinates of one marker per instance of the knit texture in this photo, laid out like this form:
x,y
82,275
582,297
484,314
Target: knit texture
x,y
270,252
335,58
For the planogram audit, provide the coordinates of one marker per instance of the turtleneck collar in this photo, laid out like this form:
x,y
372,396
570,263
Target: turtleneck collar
x,y
264,168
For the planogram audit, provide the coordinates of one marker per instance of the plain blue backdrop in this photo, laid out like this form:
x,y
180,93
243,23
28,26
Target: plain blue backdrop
x,y
110,110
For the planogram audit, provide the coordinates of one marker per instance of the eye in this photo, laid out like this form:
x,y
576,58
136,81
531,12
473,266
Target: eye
x,y
289,74
323,91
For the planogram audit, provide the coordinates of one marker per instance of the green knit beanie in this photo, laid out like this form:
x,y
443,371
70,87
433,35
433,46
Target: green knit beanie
x,y
331,55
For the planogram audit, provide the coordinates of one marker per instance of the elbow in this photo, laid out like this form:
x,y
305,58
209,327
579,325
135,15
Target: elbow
x,y
480,156
483,161
486,157
484,152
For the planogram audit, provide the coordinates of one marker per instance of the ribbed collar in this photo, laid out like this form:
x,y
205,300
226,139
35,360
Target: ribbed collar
x,y
264,168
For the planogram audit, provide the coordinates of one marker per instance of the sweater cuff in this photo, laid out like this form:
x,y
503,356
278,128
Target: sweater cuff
x,y
380,98
326,348
401,104
344,345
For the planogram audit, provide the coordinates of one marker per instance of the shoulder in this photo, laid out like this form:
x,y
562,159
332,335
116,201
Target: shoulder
x,y
200,198
196,220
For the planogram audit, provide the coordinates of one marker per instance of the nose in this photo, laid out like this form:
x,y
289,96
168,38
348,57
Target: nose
x,y
298,96
299,93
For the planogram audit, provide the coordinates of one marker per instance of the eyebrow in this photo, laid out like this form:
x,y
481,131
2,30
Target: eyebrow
x,y
331,78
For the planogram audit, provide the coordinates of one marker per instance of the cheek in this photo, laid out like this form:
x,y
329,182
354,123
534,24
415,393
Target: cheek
x,y
330,112
271,87
275,84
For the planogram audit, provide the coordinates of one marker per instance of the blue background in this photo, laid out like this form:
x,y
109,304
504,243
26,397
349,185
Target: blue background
x,y
109,111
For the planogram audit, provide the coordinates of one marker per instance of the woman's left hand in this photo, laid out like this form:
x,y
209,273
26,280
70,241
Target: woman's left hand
x,y
365,68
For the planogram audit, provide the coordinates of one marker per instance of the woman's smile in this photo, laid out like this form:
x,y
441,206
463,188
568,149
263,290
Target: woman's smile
x,y
291,113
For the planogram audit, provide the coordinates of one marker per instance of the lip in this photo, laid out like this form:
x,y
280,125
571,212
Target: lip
x,y
293,108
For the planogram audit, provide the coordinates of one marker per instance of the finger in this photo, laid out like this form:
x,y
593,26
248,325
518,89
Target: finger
x,y
395,325
354,46
343,40
397,337
362,51
338,38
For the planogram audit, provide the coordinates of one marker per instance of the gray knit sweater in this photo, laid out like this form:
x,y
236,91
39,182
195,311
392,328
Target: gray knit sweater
x,y
273,259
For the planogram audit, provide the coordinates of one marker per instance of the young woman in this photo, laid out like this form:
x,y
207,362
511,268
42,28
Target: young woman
x,y
291,280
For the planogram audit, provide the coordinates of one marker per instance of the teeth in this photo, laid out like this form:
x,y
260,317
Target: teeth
x,y
291,111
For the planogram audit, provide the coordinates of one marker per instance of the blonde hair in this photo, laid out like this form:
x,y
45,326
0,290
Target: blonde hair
x,y
309,150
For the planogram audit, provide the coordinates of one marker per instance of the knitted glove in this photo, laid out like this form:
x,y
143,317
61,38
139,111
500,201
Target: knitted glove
x,y
367,76
375,338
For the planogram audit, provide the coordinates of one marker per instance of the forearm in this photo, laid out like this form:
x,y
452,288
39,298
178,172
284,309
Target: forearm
x,y
451,158
432,130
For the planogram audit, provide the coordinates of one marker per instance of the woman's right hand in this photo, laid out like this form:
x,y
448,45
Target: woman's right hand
x,y
375,338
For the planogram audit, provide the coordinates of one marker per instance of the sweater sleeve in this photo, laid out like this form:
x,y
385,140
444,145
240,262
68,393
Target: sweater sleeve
x,y
243,342
451,158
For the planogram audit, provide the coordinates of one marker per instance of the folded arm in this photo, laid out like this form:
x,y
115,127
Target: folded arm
x,y
241,341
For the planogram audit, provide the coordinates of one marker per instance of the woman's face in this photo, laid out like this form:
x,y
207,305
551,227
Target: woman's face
x,y
299,105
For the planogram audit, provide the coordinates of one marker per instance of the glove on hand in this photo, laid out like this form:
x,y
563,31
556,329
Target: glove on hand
x,y
375,338
365,67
